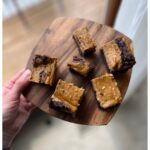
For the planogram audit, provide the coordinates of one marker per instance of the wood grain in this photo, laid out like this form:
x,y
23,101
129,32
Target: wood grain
x,y
57,42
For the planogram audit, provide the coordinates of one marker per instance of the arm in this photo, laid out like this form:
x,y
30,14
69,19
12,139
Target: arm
x,y
16,108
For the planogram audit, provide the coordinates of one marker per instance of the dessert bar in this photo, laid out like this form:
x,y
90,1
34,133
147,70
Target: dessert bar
x,y
81,66
119,55
44,69
107,91
84,41
66,97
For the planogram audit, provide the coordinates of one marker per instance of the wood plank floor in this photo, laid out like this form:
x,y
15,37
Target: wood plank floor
x,y
18,40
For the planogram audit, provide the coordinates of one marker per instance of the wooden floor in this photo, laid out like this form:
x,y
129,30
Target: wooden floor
x,y
19,40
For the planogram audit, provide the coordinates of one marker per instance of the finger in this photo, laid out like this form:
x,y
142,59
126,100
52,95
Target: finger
x,y
10,84
20,84
26,103
21,118
26,107
29,106
32,106
23,98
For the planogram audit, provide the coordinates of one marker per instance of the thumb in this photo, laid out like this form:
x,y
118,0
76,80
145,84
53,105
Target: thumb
x,y
20,84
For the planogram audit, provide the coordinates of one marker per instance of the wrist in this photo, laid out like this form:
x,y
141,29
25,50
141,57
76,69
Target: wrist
x,y
7,140
6,148
8,136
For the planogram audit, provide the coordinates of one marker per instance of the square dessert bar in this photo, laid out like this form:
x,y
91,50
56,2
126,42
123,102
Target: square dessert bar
x,y
84,41
107,91
44,69
119,55
66,97
81,66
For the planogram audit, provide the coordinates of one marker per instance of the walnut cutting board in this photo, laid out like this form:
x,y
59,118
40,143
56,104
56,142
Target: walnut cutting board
x,y
57,42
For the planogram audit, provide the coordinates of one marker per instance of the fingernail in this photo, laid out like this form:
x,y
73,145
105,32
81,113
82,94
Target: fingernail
x,y
26,74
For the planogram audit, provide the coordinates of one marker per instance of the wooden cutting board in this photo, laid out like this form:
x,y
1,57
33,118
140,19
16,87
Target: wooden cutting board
x,y
57,42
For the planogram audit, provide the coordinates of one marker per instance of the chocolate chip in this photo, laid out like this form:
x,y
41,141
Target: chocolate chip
x,y
121,44
78,59
40,60
42,76
45,60
37,60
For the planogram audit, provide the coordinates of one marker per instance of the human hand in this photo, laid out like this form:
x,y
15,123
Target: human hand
x,y
16,108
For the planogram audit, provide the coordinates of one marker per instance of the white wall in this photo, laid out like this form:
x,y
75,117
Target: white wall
x,y
132,21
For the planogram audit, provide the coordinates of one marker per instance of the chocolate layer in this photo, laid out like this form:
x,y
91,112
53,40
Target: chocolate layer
x,y
128,60
60,106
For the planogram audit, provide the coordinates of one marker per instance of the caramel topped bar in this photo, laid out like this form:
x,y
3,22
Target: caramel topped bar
x,y
107,91
66,97
81,66
84,41
43,70
119,55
